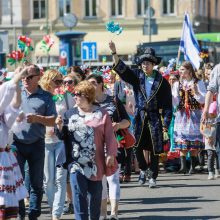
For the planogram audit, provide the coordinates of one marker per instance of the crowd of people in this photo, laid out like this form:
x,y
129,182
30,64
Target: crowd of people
x,y
76,137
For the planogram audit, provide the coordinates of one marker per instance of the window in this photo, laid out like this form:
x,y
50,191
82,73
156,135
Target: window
x,y
202,7
64,7
90,8
51,59
39,9
142,6
216,8
116,7
168,7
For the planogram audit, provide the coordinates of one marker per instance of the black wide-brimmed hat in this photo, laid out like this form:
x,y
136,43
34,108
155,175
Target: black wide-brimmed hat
x,y
149,55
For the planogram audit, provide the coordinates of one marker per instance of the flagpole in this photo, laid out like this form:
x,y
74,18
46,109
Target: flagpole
x,y
179,51
178,57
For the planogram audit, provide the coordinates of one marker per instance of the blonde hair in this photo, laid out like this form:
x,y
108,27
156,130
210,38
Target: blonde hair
x,y
47,78
87,89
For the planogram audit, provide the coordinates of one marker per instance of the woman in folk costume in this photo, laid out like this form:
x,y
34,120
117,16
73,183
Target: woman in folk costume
x,y
172,80
153,98
188,97
11,183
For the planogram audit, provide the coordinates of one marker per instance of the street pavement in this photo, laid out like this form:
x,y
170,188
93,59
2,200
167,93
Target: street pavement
x,y
181,197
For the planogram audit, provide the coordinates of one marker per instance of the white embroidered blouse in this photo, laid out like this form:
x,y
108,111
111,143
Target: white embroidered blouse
x,y
200,97
8,114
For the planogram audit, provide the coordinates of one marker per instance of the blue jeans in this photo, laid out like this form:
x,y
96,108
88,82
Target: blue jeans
x,y
218,143
27,177
81,188
54,179
34,155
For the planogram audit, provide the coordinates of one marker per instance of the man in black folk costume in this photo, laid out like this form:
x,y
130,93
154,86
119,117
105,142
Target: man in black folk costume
x,y
153,104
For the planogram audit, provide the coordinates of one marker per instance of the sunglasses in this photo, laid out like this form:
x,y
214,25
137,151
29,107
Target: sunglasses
x,y
79,94
69,82
58,82
30,77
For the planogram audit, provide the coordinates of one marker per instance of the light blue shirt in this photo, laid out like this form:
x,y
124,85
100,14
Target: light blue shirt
x,y
148,84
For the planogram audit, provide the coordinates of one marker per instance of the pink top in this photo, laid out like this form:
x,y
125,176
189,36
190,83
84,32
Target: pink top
x,y
213,108
105,141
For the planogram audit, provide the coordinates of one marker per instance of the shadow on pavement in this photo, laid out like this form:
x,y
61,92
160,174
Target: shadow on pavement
x,y
186,185
166,200
159,180
207,217
160,210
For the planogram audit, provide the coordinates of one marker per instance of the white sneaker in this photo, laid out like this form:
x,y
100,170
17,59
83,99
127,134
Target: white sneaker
x,y
26,202
113,217
217,174
211,176
142,178
152,183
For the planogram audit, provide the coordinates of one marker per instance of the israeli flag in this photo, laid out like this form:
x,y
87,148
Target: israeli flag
x,y
188,43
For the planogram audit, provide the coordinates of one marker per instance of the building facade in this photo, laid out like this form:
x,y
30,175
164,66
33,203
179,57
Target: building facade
x,y
34,19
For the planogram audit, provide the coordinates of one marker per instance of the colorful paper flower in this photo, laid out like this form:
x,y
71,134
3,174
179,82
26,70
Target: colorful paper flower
x,y
105,72
113,28
47,43
204,55
119,138
25,40
97,71
24,44
110,26
84,67
63,70
58,94
15,56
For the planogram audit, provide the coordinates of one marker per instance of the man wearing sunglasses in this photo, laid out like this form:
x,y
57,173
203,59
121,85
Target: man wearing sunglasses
x,y
39,109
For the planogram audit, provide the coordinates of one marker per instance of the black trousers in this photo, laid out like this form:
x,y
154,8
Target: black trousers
x,y
145,143
212,160
124,158
201,156
153,166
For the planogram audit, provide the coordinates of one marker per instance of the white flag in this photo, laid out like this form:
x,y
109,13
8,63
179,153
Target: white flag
x,y
188,43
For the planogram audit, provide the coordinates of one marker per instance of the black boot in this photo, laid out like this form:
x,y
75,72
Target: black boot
x,y
193,165
183,165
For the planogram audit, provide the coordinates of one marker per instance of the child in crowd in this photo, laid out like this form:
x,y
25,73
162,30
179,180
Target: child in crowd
x,y
208,130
